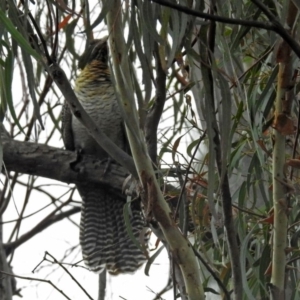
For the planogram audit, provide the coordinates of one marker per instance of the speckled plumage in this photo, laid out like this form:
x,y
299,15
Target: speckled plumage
x,y
103,236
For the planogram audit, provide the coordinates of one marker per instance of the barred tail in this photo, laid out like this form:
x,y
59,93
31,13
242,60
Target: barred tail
x,y
103,236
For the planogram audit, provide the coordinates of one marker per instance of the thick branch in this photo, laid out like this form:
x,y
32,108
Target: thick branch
x,y
283,105
155,204
61,165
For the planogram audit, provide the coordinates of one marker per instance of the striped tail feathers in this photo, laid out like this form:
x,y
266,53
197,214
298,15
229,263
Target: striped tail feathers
x,y
103,235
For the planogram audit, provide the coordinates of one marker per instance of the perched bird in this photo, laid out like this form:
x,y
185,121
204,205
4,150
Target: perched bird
x,y
103,236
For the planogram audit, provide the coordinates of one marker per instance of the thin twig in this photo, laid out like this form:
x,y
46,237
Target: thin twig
x,y
184,224
187,172
273,26
164,290
48,221
154,115
36,279
253,66
248,211
66,270
213,274
265,10
55,44
40,35
296,139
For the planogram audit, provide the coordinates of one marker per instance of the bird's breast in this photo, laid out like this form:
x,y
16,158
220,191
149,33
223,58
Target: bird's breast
x,y
99,101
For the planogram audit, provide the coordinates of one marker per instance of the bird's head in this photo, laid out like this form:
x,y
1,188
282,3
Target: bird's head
x,y
96,50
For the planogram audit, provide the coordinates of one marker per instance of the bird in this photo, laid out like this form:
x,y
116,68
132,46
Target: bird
x,y
104,240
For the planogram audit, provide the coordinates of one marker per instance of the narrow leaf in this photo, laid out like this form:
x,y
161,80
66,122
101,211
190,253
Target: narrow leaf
x,y
152,259
17,35
8,77
126,214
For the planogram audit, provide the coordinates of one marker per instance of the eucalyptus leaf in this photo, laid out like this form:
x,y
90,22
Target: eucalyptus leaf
x,y
17,35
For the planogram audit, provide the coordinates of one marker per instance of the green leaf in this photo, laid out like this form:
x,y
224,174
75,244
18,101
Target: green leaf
x,y
7,88
126,214
146,70
152,259
104,10
242,195
211,290
191,147
175,147
1,150
243,252
69,30
226,122
17,35
31,85
149,21
236,155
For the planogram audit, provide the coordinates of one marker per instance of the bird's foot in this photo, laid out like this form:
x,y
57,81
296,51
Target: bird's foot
x,y
74,164
107,162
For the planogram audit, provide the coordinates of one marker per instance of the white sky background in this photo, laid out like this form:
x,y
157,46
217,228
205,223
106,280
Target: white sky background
x,y
62,236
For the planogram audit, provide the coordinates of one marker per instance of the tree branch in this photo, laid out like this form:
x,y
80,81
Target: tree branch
x,y
274,25
155,205
154,115
35,279
48,221
66,166
6,286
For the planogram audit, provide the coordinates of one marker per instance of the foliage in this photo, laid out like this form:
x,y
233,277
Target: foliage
x,y
215,137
